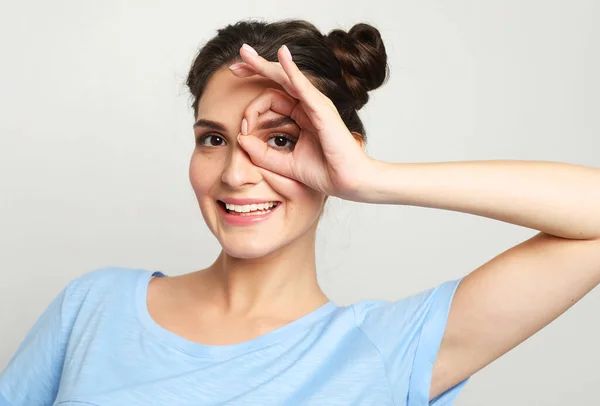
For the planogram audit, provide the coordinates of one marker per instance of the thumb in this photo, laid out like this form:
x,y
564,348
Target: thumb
x,y
265,157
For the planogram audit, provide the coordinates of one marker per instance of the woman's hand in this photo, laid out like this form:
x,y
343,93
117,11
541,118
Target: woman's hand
x,y
326,157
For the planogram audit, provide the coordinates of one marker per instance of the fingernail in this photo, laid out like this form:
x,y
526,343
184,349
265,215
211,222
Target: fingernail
x,y
237,65
287,52
250,49
244,127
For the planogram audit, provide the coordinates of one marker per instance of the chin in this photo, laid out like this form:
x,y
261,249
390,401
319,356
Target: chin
x,y
248,248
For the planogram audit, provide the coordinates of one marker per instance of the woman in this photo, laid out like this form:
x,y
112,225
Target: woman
x,y
275,136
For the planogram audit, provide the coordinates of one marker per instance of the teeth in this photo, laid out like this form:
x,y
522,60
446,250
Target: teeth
x,y
247,208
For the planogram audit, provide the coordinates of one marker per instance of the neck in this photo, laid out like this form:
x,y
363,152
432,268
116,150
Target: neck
x,y
284,281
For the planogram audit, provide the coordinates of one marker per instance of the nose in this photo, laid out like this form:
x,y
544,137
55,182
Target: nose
x,y
239,171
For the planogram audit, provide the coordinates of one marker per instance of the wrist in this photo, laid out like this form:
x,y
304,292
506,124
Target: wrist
x,y
386,183
370,182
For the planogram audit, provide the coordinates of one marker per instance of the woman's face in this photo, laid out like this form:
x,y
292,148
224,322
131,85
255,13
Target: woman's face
x,y
251,211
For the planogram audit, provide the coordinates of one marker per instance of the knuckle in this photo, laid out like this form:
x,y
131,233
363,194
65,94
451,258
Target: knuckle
x,y
271,91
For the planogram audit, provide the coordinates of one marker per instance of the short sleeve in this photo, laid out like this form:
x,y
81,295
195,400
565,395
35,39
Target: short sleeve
x,y
33,373
408,334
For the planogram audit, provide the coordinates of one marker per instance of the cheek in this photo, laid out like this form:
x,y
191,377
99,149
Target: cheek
x,y
204,172
302,200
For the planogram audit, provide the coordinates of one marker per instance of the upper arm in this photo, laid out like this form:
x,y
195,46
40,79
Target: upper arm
x,y
510,298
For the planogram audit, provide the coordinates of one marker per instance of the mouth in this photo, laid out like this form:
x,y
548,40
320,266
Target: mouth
x,y
247,210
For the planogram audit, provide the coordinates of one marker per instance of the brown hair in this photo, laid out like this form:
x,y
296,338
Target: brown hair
x,y
344,66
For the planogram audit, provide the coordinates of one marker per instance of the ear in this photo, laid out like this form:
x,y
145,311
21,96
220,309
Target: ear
x,y
359,139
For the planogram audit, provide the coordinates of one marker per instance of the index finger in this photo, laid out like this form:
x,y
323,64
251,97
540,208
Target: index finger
x,y
279,102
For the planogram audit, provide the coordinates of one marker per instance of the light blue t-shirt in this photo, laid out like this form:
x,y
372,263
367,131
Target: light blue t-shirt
x,y
96,345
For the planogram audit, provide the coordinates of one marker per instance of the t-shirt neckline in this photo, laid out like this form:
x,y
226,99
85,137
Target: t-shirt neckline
x,y
219,351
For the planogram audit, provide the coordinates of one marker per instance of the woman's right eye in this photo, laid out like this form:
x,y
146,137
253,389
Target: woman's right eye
x,y
211,140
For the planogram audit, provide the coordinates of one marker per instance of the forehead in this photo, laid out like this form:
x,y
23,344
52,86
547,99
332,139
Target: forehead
x,y
226,96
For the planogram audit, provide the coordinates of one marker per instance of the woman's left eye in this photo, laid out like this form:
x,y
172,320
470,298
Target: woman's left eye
x,y
281,142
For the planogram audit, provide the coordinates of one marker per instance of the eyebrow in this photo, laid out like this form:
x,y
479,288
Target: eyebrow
x,y
276,123
213,125
265,125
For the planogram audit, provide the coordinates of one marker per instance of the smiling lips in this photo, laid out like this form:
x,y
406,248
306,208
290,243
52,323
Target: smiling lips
x,y
250,209
243,212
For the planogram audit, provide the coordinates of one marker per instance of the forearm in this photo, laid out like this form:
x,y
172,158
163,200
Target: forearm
x,y
555,198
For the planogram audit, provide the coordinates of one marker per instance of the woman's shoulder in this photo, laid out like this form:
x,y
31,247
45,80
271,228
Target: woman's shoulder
x,y
107,273
408,312
102,283
103,276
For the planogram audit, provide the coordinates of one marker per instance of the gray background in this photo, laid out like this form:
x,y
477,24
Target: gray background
x,y
95,140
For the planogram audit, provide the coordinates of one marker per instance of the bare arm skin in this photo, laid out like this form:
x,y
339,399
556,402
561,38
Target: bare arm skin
x,y
514,295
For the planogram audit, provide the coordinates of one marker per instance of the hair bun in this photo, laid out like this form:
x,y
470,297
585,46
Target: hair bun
x,y
363,59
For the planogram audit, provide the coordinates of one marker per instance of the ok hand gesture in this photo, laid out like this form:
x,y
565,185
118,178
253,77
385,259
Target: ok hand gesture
x,y
326,157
